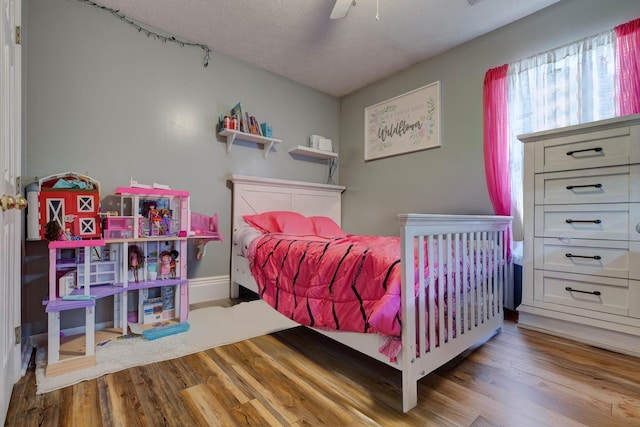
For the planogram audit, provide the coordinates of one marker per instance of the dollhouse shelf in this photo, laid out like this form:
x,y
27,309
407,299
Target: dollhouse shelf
x,y
312,152
232,135
157,283
102,291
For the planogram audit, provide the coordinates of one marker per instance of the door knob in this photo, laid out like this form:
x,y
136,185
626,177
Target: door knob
x,y
7,202
10,202
21,203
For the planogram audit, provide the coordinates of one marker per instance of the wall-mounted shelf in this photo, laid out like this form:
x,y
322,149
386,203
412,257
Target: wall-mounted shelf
x,y
232,135
313,152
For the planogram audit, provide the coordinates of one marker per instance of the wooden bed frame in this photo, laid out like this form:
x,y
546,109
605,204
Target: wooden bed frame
x,y
482,237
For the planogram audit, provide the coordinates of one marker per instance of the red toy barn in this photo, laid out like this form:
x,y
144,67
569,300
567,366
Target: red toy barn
x,y
73,201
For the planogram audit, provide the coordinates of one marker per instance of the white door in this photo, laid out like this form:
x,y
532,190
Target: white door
x,y
11,218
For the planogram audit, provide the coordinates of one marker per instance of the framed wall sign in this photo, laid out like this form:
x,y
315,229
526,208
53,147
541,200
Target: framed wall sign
x,y
406,123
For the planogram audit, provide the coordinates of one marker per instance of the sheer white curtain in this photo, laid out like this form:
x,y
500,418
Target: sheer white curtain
x,y
569,85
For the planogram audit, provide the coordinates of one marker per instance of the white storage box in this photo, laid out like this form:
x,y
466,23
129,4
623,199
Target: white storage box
x,y
66,284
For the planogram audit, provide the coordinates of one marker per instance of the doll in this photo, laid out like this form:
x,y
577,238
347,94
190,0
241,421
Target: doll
x,y
154,219
165,265
136,261
53,231
154,214
173,263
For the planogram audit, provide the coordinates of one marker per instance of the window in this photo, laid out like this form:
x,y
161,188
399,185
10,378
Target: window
x,y
55,211
85,204
87,226
566,86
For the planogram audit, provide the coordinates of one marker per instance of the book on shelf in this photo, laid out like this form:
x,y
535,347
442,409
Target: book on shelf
x,y
254,128
238,112
265,130
252,125
248,123
257,126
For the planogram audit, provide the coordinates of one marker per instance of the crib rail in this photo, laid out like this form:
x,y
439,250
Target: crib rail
x,y
457,300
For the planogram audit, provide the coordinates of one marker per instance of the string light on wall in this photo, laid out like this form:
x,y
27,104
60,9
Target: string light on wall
x,y
149,33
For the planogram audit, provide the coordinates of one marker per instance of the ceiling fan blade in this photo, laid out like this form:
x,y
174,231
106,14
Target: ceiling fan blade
x,y
341,8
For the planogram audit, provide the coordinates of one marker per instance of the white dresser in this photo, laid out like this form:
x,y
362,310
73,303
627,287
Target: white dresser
x,y
581,263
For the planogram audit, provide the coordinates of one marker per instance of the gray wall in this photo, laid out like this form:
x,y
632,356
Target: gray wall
x,y
451,179
105,100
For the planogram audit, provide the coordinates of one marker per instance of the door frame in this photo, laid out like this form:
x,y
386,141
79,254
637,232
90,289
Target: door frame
x,y
11,221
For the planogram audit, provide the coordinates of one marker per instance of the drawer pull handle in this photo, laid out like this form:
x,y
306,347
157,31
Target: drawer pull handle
x,y
571,187
570,289
571,221
596,257
597,150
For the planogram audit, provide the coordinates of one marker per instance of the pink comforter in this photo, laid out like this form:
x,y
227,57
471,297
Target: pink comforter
x,y
345,284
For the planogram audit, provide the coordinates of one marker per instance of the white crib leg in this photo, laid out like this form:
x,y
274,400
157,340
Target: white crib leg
x,y
409,390
235,289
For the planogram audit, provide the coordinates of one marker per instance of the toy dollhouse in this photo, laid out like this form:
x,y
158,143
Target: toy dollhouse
x,y
72,201
139,261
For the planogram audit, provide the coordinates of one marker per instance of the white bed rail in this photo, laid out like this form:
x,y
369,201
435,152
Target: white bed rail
x,y
440,322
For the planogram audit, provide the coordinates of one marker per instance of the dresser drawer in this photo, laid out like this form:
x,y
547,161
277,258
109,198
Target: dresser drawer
x,y
609,147
599,257
634,222
634,262
634,298
601,185
603,294
606,221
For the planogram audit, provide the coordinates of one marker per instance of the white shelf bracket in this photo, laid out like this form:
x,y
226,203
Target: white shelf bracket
x,y
267,147
230,139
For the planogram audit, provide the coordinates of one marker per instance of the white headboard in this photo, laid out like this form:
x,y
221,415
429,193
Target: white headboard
x,y
253,195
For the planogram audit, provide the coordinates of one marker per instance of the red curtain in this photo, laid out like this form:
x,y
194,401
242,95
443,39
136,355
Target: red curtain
x,y
628,68
496,141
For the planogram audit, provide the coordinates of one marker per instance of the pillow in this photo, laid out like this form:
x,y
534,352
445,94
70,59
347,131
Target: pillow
x,y
294,223
262,222
281,222
326,227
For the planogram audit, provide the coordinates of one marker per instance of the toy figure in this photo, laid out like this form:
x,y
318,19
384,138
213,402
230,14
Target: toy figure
x,y
154,214
174,261
154,219
165,265
136,260
53,231
165,215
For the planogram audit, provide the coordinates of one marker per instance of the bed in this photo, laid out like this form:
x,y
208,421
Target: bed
x,y
465,253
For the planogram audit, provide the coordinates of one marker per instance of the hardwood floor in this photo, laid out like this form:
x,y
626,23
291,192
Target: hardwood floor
x,y
298,377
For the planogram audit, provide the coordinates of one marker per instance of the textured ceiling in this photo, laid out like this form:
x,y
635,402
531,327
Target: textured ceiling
x,y
297,40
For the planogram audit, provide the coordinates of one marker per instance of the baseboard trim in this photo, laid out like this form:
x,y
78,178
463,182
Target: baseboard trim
x,y
616,341
206,289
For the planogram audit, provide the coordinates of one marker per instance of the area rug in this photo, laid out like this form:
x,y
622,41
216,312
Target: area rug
x,y
209,327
